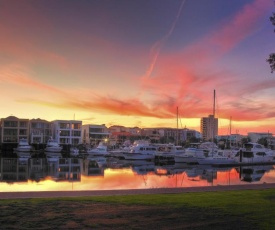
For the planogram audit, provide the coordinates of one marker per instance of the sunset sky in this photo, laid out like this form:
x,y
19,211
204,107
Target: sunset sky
x,y
133,62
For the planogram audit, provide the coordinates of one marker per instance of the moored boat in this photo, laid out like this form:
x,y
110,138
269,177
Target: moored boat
x,y
23,146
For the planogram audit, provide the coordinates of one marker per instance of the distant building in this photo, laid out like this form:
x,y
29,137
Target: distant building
x,y
40,131
209,127
254,136
67,132
13,129
93,134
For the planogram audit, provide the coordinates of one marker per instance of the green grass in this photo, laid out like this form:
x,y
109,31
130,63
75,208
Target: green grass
x,y
250,209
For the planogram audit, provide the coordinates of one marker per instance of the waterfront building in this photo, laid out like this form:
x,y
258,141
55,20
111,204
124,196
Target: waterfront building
x,y
67,132
209,127
13,129
40,131
93,134
255,136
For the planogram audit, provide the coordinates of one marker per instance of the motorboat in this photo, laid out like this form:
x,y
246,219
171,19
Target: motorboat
x,y
23,146
53,146
100,150
190,155
254,153
141,152
168,152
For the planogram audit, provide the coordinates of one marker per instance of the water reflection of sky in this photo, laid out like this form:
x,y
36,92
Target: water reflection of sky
x,y
109,174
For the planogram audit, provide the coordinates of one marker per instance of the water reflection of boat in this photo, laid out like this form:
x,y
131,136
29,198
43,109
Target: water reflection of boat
x,y
74,151
23,156
142,167
53,156
253,173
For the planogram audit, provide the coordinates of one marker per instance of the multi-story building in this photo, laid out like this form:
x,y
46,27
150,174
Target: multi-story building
x,y
254,136
40,131
93,134
209,127
67,132
13,129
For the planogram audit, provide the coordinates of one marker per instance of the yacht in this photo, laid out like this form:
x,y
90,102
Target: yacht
x,y
23,146
254,153
100,150
141,152
191,154
53,146
167,152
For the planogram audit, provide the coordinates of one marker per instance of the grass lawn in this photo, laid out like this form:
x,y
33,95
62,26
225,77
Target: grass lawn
x,y
248,209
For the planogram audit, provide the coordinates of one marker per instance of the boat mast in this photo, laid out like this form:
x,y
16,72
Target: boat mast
x,y
177,126
214,107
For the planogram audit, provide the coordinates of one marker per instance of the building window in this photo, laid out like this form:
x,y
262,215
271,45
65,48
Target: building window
x,y
76,126
23,124
10,123
22,132
65,133
64,126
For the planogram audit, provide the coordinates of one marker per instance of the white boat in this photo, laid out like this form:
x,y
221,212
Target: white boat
x,y
141,152
74,151
100,150
254,153
190,155
53,146
167,152
23,146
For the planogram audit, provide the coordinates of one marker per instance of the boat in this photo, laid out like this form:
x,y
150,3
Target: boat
x,y
100,150
254,153
53,146
23,146
141,152
191,154
167,152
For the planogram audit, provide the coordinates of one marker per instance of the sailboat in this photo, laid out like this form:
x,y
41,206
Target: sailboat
x,y
214,158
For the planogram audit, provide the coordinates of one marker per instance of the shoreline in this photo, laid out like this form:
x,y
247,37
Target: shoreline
x,y
91,193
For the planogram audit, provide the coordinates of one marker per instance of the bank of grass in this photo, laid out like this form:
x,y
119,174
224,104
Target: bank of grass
x,y
248,209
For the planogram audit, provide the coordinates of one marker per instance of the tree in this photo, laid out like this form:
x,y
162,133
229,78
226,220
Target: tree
x,y
271,59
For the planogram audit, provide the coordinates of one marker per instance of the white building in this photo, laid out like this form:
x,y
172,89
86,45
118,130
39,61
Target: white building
x,y
93,134
67,132
254,136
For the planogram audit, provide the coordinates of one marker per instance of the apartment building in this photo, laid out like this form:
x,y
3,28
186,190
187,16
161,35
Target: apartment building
x,y
40,131
209,127
93,134
13,129
67,132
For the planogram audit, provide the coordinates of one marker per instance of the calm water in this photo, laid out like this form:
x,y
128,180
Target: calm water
x,y
53,174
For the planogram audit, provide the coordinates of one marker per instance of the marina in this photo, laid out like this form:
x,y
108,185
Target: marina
x,y
52,171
